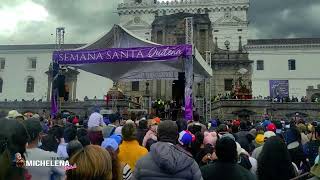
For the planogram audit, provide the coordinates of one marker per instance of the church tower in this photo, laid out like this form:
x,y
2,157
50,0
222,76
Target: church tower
x,y
228,17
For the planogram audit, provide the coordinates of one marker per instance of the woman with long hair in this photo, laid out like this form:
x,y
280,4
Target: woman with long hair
x,y
92,163
274,161
13,140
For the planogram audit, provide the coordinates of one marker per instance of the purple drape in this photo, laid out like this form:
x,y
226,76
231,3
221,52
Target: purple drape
x,y
188,64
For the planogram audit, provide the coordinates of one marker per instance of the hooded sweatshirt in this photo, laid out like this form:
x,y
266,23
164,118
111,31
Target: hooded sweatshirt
x,y
166,161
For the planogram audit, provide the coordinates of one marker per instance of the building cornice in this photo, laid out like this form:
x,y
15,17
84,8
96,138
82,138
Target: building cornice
x,y
187,6
282,46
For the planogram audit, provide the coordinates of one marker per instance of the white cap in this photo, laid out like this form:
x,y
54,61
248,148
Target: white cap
x,y
269,134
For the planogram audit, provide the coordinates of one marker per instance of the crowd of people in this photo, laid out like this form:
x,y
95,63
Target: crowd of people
x,y
268,98
150,148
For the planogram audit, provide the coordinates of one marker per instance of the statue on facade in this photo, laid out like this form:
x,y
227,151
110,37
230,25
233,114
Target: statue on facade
x,y
241,90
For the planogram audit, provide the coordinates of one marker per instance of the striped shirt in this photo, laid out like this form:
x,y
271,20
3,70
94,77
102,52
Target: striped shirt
x,y
127,173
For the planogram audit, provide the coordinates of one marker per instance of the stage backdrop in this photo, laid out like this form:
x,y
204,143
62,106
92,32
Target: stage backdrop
x,y
279,88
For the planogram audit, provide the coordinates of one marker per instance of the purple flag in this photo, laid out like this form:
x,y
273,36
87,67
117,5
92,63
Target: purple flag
x,y
188,65
54,102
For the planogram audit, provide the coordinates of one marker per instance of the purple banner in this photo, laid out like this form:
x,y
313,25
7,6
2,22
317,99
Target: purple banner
x,y
279,88
122,54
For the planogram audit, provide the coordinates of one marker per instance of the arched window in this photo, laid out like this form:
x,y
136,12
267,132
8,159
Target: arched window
x,y
30,85
1,84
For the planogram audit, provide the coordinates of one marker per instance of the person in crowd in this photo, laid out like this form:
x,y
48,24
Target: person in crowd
x,y
273,165
109,130
165,160
142,130
210,138
182,125
226,166
279,127
44,125
256,152
93,162
234,129
119,170
271,127
212,125
33,152
133,117
184,141
303,129
266,121
14,114
203,156
259,140
196,122
293,140
259,129
83,138
13,140
75,121
311,147
95,135
222,129
130,150
243,137
197,142
51,141
315,170
95,119
73,147
245,160
152,132
69,134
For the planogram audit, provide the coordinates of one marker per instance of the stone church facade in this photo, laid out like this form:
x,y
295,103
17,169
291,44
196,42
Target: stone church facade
x,y
220,27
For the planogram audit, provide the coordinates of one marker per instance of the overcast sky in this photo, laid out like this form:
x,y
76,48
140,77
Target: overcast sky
x,y
33,21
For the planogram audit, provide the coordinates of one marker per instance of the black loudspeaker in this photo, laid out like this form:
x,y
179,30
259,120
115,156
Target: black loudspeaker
x,y
61,79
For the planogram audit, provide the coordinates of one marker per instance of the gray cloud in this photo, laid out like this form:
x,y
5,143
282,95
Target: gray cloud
x,y
85,20
284,18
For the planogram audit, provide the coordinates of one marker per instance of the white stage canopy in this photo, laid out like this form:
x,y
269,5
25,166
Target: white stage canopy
x,y
126,64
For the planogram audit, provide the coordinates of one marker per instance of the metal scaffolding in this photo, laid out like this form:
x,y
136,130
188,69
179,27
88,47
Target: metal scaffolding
x,y
59,37
207,91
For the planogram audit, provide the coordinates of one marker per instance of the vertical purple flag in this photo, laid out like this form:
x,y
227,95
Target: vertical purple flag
x,y
54,91
188,88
